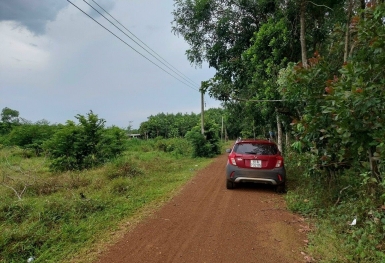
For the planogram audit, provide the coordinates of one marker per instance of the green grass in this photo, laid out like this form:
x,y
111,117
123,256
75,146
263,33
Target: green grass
x,y
330,205
64,217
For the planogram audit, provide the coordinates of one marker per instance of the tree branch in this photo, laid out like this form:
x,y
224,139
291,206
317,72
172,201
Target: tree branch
x,y
343,189
320,5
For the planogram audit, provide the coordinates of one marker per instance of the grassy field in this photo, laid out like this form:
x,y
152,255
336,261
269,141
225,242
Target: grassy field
x,y
68,217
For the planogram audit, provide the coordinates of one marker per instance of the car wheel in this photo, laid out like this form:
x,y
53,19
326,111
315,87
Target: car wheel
x,y
230,184
281,188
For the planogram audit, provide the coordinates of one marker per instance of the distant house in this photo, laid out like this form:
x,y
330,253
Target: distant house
x,y
134,135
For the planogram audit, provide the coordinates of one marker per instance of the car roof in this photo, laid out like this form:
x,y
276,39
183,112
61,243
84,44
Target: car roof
x,y
261,141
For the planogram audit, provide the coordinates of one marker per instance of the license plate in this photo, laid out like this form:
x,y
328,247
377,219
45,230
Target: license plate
x,y
256,163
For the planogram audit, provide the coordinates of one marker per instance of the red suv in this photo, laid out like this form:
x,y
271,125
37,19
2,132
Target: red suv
x,y
257,161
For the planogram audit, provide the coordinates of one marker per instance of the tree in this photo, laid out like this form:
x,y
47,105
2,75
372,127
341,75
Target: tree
x,y
248,42
9,118
32,135
207,145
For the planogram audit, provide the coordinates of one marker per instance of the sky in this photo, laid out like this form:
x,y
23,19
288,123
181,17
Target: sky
x,y
55,62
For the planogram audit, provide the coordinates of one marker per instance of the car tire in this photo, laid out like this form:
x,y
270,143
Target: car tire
x,y
281,188
230,184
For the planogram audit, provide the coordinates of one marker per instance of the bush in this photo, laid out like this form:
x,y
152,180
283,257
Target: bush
x,y
86,145
207,145
334,203
178,146
112,143
31,135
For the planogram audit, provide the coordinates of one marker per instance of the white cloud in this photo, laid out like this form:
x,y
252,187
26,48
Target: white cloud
x,y
77,66
20,49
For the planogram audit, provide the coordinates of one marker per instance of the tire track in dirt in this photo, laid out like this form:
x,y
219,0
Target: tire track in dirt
x,y
203,215
206,222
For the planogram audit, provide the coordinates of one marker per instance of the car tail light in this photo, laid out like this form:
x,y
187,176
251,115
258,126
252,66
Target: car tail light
x,y
232,159
232,174
279,163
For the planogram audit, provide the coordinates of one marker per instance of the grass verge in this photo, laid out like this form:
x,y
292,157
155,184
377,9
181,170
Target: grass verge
x,y
68,217
331,204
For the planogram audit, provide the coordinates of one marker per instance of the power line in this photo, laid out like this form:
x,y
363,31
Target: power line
x,y
183,76
135,41
187,84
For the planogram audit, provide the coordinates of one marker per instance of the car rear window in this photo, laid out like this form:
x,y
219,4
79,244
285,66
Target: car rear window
x,y
256,148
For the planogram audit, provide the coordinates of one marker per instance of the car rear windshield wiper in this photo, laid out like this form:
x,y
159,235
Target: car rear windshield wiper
x,y
251,152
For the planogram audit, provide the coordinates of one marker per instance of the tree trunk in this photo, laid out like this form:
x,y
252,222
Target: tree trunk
x,y
287,141
222,131
347,33
279,133
302,35
373,164
362,4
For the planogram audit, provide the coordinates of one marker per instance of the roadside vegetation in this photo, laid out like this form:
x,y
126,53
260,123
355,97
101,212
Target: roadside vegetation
x,y
66,188
309,71
312,71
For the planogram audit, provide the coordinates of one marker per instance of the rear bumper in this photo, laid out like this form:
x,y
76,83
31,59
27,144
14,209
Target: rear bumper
x,y
238,175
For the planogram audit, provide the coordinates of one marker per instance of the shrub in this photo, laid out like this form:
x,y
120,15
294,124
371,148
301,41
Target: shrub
x,y
207,145
86,145
111,144
31,135
178,146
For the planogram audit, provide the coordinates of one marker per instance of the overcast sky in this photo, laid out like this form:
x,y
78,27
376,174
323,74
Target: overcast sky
x,y
55,62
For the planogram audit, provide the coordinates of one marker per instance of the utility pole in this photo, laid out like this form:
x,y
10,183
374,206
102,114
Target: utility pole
x,y
129,128
202,112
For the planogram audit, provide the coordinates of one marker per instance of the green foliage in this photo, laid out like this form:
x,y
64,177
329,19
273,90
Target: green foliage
x,y
62,214
344,121
31,136
332,204
177,146
207,145
9,118
121,186
297,204
340,130
123,168
176,125
217,32
112,143
86,145
168,125
334,110
197,139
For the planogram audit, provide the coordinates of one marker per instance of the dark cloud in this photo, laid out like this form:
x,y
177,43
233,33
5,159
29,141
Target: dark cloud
x,y
33,14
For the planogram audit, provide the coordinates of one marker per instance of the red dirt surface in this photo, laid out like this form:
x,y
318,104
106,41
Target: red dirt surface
x,y
206,222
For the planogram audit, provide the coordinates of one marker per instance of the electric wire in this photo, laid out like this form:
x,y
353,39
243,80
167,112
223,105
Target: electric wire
x,y
187,84
154,52
137,42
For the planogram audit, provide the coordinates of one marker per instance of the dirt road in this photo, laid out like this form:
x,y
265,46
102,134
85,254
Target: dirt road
x,y
207,223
